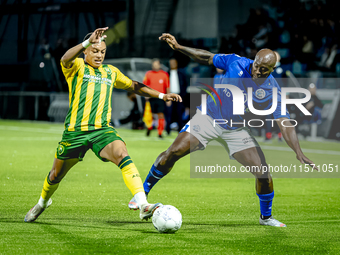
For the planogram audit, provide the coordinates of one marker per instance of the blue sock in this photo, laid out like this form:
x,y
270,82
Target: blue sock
x,y
153,177
266,201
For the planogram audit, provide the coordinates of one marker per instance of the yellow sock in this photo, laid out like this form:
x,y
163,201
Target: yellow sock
x,y
131,175
48,188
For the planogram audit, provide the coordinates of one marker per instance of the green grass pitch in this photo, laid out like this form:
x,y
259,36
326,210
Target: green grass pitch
x,y
89,214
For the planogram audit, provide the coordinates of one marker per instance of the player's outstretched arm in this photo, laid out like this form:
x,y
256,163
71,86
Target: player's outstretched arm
x,y
145,91
289,134
200,56
70,55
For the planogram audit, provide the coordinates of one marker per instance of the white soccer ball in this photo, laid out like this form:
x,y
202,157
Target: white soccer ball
x,y
167,219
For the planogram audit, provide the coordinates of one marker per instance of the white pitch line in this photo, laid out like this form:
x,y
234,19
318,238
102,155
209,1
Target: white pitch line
x,y
323,152
139,137
266,147
314,221
30,138
127,139
39,130
60,131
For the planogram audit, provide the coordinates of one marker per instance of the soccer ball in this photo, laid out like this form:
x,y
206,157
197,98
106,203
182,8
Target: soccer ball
x,y
167,219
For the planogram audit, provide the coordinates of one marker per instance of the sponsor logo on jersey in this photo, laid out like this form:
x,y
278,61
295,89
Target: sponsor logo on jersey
x,y
65,143
92,78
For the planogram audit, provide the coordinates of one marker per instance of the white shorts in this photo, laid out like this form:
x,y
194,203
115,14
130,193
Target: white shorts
x,y
201,127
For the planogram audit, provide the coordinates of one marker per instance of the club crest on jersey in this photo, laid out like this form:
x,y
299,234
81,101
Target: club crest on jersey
x,y
60,149
260,93
196,128
108,70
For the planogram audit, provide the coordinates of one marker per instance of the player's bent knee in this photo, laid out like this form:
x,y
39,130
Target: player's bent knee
x,y
116,155
52,175
256,168
175,153
168,157
55,175
114,152
120,156
162,159
60,169
262,174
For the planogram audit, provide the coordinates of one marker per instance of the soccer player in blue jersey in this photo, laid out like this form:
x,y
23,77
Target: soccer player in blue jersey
x,y
241,144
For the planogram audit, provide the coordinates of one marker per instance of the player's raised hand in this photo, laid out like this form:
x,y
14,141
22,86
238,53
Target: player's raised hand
x,y
304,160
170,39
97,36
172,97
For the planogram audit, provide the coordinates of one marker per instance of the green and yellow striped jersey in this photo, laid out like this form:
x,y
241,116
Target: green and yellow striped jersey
x,y
90,91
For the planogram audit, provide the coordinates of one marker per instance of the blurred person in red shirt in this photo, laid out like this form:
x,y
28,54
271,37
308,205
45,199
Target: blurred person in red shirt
x,y
158,80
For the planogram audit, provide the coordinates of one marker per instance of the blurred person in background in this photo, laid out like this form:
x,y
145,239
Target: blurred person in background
x,y
157,79
178,85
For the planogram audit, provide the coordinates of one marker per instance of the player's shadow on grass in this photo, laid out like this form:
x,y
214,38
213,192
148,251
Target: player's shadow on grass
x,y
125,222
11,220
120,223
219,224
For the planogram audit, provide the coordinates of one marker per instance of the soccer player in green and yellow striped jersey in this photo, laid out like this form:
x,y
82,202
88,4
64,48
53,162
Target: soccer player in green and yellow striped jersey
x,y
87,124
90,94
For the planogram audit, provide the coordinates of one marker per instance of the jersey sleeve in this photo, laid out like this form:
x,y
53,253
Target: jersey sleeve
x,y
122,81
277,113
70,72
222,61
146,79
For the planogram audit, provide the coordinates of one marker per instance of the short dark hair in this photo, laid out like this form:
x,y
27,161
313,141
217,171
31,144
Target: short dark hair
x,y
155,60
88,36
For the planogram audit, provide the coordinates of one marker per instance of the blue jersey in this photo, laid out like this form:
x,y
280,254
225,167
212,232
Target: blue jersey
x,y
217,78
238,73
